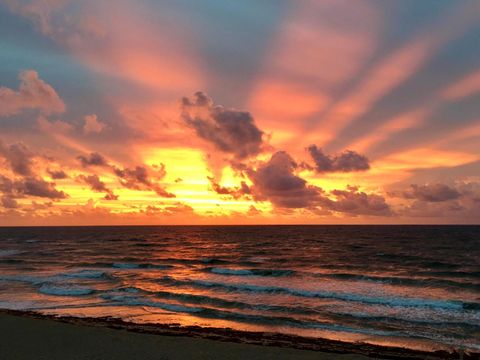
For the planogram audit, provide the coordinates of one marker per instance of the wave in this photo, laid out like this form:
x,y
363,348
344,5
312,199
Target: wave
x,y
453,274
5,253
403,302
136,301
213,261
394,280
125,265
65,290
87,274
208,312
37,280
251,272
219,302
58,284
143,244
34,280
11,261
398,320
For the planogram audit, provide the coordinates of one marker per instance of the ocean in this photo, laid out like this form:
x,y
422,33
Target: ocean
x,y
410,286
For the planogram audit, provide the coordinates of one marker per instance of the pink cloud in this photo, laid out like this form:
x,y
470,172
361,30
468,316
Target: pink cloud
x,y
33,93
92,124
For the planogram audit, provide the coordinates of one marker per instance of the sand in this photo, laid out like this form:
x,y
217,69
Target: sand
x,y
31,336
28,338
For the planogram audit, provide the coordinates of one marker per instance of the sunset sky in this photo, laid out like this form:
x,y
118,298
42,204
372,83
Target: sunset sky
x,y
239,112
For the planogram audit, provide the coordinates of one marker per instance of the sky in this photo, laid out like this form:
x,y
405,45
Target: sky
x,y
239,112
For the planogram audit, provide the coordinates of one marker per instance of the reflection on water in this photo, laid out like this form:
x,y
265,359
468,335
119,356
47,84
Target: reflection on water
x,y
416,286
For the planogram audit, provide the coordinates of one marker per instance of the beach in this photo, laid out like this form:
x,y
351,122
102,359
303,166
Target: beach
x,y
29,335
33,338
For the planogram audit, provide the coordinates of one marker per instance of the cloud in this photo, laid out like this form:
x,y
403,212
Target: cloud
x,y
19,157
92,124
175,209
93,159
98,185
40,188
345,162
33,93
57,174
20,160
135,178
229,130
356,202
275,181
458,202
234,192
30,186
139,178
253,211
40,12
8,202
53,126
432,192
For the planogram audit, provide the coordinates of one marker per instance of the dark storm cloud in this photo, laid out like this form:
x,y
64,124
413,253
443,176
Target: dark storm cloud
x,y
30,186
345,162
93,159
229,130
275,181
19,157
432,192
355,202
98,185
140,178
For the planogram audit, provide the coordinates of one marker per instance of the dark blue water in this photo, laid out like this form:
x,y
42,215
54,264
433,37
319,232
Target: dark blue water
x,y
414,286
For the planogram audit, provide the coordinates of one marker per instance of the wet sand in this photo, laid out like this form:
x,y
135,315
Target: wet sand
x,y
27,335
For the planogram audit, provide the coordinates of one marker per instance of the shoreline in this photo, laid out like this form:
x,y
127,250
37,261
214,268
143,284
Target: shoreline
x,y
230,336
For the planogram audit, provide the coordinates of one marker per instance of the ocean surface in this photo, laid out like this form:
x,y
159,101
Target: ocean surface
x,y
413,286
